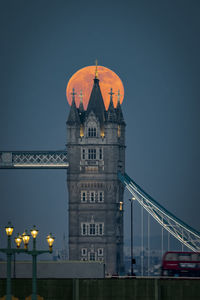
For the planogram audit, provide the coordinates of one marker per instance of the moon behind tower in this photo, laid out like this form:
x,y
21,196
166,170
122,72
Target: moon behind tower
x,y
83,80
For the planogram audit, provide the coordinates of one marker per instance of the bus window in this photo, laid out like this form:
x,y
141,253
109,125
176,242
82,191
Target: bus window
x,y
184,257
171,256
195,257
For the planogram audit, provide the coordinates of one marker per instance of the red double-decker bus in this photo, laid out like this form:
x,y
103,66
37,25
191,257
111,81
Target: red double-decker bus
x,y
183,264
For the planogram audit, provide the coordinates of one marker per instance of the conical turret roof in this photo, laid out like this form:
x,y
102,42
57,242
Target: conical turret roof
x,y
111,114
81,110
120,117
96,103
73,117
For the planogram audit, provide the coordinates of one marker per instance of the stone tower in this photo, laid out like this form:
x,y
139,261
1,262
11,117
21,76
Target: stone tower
x,y
96,152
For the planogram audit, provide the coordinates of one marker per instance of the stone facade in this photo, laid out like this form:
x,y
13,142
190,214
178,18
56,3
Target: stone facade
x,y
96,152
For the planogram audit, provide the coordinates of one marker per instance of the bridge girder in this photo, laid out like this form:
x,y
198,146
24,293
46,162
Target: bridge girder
x,y
33,160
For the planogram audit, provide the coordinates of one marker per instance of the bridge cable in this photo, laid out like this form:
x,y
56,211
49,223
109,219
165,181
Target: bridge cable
x,y
179,229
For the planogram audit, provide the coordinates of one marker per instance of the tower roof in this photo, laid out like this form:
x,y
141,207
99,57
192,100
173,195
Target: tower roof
x,y
96,103
111,114
73,117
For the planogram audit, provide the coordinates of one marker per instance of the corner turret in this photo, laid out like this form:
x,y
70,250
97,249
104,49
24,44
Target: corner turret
x,y
73,117
120,117
111,114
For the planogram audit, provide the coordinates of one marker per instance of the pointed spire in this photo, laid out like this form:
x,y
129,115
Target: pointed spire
x,y
96,71
73,117
111,94
96,103
81,108
73,94
81,97
118,97
111,114
120,118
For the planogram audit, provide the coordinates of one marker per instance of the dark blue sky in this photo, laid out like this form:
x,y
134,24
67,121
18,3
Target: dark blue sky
x,y
153,46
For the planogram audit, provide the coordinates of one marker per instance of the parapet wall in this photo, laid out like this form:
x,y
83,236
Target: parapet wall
x,y
56,269
108,289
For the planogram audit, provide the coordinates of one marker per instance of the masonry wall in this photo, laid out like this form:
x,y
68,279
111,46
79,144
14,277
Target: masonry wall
x,y
56,269
86,174
108,289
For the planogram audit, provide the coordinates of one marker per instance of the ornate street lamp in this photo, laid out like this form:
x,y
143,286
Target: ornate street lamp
x,y
9,230
34,232
25,237
34,252
50,241
18,240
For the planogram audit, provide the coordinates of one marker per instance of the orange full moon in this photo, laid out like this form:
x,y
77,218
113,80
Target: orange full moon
x,y
82,80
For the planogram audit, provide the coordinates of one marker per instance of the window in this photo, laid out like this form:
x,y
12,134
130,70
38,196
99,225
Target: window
x,y
101,229
83,196
83,153
91,153
184,257
84,251
100,153
100,196
100,251
92,197
92,132
92,256
92,230
171,256
83,229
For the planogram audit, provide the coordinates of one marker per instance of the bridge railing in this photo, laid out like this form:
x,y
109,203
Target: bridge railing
x,y
33,160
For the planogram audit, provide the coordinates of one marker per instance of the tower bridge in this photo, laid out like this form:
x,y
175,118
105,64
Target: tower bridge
x,y
95,163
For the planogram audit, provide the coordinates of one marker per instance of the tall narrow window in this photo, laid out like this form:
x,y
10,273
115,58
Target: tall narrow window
x,y
100,251
83,196
83,153
83,229
92,256
100,196
92,132
92,229
84,251
101,229
100,153
92,196
91,153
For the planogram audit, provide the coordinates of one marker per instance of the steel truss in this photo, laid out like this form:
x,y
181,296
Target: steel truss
x,y
33,160
181,231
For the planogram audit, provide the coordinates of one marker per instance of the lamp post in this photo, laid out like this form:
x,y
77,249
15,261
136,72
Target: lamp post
x,y
34,252
9,231
9,251
132,260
